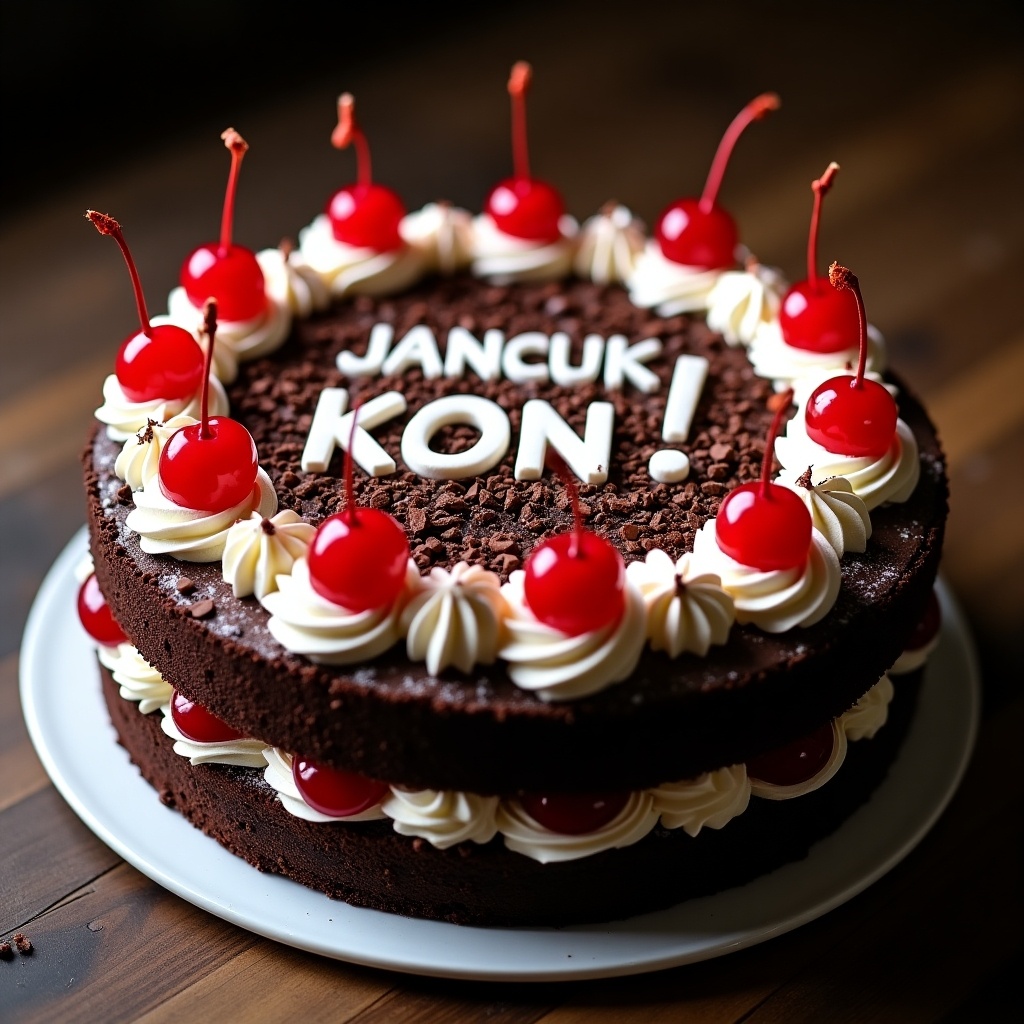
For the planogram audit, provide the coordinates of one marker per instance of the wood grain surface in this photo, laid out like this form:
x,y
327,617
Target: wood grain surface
x,y
922,106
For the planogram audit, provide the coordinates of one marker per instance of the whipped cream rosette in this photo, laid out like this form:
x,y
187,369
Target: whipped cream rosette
x,y
742,302
667,287
609,245
257,550
139,460
711,800
686,611
444,819
443,236
870,713
246,753
836,512
137,679
504,259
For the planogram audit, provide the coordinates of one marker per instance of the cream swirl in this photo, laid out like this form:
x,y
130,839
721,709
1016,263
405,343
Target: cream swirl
x,y
504,259
686,611
774,791
890,477
193,535
914,658
837,513
742,301
139,460
559,667
442,234
354,270
303,622
774,600
443,818
292,282
870,713
242,751
241,340
787,365
455,619
258,550
125,418
138,680
709,801
524,835
609,245
278,773
667,287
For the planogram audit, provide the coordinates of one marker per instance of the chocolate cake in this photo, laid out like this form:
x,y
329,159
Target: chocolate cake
x,y
509,770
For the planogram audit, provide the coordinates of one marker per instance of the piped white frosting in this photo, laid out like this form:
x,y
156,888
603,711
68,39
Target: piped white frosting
x,y
870,713
139,460
137,679
667,287
193,535
743,301
560,667
711,800
258,550
686,611
444,819
504,259
443,236
774,600
293,282
837,513
609,245
245,752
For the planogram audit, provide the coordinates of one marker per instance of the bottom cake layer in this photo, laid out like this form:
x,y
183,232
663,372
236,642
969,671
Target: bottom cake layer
x,y
368,864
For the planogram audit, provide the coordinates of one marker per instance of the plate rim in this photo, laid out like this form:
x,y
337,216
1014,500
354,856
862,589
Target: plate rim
x,y
642,944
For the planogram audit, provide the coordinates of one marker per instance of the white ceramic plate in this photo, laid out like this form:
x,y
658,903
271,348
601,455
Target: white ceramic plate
x,y
69,726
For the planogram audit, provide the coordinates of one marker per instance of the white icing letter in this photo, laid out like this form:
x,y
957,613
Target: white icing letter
x,y
366,366
465,350
564,374
532,343
683,395
332,426
488,417
417,348
587,457
622,362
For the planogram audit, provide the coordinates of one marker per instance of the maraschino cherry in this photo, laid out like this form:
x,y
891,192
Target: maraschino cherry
x,y
198,723
796,762
162,362
95,615
210,465
699,232
574,582
364,215
573,814
229,273
813,316
761,524
853,416
359,556
524,206
334,792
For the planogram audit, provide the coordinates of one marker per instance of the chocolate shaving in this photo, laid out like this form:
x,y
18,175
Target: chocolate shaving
x,y
184,585
201,609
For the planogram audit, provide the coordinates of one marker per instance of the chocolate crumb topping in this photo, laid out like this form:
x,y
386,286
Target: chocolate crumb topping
x,y
268,527
184,585
201,609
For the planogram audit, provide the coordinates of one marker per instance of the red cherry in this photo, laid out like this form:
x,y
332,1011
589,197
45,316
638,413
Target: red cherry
x,y
573,814
95,615
358,559
765,525
524,206
814,316
698,232
223,271
764,529
334,792
928,628
197,723
212,471
851,417
166,363
817,318
367,217
364,215
796,762
159,362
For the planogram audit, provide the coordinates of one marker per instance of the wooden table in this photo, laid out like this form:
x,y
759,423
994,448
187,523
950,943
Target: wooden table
x,y
925,115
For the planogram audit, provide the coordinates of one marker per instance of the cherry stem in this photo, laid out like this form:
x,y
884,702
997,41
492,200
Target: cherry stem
x,y
350,471
238,147
842,278
784,400
557,463
820,189
348,132
106,225
210,330
518,83
757,108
